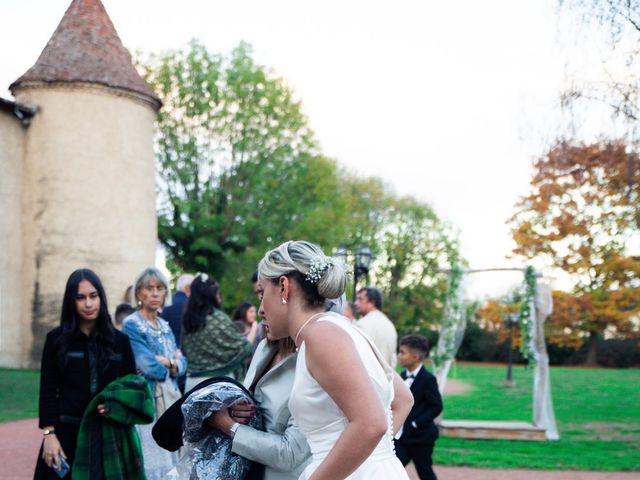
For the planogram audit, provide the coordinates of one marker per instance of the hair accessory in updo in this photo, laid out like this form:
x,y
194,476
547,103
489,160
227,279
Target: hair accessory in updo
x,y
203,277
317,269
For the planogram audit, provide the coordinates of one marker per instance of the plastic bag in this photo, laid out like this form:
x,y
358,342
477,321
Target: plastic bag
x,y
207,452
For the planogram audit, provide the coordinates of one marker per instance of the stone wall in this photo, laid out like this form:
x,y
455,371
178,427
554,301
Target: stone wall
x,y
89,197
11,155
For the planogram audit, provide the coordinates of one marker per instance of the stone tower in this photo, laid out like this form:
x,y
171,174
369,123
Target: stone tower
x,y
87,175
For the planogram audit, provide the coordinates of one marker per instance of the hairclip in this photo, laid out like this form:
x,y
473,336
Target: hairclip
x,y
317,269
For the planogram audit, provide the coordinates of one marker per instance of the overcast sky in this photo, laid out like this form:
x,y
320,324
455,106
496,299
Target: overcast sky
x,y
446,101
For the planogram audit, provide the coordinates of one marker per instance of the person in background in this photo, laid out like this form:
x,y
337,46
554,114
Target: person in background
x,y
244,317
122,311
210,339
127,296
157,357
417,437
254,282
174,313
80,358
376,324
348,310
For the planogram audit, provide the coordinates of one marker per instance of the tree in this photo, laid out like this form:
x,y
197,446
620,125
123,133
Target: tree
x,y
238,166
580,215
415,244
621,89
239,172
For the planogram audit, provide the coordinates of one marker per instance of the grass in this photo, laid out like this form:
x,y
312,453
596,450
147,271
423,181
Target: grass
x,y
597,413
19,391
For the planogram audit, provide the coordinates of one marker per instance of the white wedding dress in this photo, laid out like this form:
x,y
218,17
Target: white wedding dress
x,y
322,421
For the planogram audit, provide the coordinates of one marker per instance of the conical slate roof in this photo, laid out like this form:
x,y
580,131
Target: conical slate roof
x,y
86,48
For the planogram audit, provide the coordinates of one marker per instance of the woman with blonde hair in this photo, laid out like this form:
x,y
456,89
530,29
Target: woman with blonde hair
x,y
345,398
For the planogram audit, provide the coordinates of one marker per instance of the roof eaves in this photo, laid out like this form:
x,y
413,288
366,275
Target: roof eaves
x,y
22,112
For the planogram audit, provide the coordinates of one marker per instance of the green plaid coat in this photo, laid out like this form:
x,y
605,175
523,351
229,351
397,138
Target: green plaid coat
x,y
129,402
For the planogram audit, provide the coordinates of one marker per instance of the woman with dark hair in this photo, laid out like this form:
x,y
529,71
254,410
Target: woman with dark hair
x,y
80,358
210,339
245,316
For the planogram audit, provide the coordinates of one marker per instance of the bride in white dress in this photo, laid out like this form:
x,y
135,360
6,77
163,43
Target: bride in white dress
x,y
345,398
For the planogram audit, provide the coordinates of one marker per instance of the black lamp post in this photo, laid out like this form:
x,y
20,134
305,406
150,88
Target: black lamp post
x,y
361,262
511,319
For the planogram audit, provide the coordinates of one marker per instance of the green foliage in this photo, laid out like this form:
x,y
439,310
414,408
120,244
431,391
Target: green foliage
x,y
240,172
527,325
596,410
414,242
18,394
453,317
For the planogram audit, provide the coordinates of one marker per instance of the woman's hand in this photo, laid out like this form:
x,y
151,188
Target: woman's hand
x,y
169,362
52,451
164,361
224,418
253,332
221,420
103,410
242,411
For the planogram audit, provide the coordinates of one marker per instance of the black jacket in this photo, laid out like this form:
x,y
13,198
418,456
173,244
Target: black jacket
x,y
419,426
173,315
66,389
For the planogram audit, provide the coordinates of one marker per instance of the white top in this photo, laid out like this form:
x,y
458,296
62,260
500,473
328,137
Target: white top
x,y
383,334
322,421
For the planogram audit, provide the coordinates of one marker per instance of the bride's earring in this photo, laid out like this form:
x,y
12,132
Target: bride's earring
x,y
283,301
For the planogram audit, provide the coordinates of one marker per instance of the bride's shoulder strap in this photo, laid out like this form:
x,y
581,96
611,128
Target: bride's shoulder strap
x,y
348,325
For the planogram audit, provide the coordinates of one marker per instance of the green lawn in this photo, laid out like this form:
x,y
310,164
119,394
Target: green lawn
x,y
597,412
18,394
598,415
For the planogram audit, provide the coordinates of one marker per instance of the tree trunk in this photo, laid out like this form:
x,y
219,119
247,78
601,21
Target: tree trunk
x,y
592,349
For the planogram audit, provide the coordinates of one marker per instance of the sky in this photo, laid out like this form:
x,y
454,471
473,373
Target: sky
x,y
449,102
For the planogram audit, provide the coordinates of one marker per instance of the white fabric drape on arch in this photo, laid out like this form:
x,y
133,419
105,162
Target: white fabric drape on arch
x,y
543,415
442,373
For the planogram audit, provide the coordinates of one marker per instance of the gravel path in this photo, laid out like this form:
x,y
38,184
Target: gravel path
x,y
20,442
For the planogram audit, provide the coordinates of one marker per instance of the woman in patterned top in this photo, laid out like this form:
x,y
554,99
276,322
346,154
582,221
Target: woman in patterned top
x,y
211,341
157,358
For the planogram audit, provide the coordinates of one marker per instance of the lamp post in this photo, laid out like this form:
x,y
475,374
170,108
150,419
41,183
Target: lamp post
x,y
511,319
361,262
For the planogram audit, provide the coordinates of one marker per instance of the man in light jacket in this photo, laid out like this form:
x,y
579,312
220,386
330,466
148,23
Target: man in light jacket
x,y
376,324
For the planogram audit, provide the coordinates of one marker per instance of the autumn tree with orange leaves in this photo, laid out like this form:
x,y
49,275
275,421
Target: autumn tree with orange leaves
x,y
581,213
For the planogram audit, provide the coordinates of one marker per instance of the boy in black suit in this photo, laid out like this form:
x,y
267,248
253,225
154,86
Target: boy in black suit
x,y
416,438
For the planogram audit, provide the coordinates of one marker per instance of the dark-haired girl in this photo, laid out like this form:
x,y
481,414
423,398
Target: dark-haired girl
x,y
244,317
210,339
80,357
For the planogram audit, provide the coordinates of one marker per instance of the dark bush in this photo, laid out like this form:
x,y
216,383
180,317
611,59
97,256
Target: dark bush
x,y
620,353
479,345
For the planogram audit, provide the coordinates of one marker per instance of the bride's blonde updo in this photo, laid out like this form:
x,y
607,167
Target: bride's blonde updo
x,y
320,276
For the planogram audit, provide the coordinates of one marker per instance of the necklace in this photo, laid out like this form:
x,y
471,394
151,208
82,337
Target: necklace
x,y
312,317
